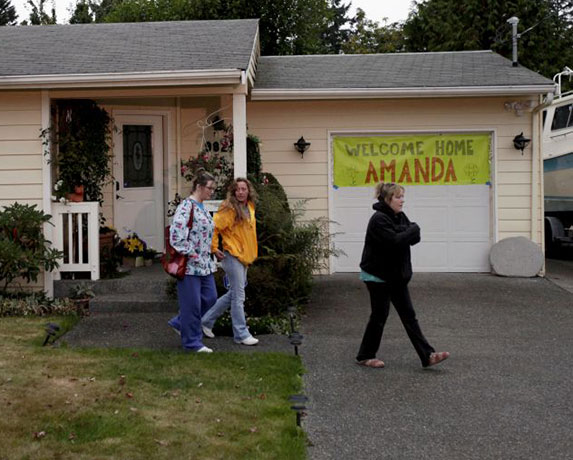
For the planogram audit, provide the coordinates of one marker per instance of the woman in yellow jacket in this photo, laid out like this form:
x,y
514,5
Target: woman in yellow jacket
x,y
235,223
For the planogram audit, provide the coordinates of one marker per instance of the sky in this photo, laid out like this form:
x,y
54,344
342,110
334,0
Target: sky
x,y
376,10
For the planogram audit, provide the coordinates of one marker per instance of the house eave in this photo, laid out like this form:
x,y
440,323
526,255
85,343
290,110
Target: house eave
x,y
374,93
126,79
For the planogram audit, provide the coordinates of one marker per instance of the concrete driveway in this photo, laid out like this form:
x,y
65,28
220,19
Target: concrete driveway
x,y
505,393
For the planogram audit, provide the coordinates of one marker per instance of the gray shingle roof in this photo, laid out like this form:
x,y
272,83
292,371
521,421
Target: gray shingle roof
x,y
400,70
126,47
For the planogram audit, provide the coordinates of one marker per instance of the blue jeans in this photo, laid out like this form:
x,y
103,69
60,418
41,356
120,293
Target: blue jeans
x,y
196,295
234,299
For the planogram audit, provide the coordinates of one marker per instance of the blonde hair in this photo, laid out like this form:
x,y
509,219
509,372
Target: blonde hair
x,y
384,191
231,200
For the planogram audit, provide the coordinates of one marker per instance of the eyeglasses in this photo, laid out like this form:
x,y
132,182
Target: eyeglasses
x,y
211,188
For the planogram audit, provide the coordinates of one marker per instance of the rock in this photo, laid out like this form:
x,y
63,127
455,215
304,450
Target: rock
x,y
516,257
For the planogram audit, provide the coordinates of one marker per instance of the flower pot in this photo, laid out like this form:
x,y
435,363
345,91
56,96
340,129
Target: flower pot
x,y
139,261
148,262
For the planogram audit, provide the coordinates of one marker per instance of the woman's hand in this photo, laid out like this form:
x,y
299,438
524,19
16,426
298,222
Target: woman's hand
x,y
219,254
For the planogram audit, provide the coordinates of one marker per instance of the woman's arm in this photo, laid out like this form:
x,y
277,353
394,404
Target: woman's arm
x,y
179,231
384,231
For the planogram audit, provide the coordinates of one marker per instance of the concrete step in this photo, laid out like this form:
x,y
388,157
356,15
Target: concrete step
x,y
131,303
144,280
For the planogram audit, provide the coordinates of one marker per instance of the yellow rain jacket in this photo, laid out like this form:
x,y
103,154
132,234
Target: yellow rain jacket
x,y
239,238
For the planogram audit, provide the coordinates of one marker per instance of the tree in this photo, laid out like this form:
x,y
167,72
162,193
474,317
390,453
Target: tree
x,y
546,44
82,14
288,27
335,34
38,16
369,37
8,14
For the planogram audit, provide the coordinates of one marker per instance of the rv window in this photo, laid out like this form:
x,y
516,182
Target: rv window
x,y
544,118
562,116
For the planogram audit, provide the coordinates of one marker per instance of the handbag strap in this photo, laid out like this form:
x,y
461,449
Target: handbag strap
x,y
190,221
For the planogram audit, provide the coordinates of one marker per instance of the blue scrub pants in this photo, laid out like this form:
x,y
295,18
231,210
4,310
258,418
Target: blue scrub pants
x,y
196,295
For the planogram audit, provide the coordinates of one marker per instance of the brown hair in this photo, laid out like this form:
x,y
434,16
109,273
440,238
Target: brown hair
x,y
202,178
384,191
231,200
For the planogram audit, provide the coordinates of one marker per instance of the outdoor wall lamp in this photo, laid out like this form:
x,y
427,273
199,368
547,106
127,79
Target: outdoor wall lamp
x,y
301,146
520,142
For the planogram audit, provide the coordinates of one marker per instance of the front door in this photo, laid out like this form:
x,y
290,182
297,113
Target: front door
x,y
138,171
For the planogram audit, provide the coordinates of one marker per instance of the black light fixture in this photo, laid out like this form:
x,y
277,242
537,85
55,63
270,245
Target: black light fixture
x,y
301,146
51,331
295,340
520,142
298,406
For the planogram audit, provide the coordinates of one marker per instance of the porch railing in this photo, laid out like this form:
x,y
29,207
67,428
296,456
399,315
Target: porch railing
x,y
76,233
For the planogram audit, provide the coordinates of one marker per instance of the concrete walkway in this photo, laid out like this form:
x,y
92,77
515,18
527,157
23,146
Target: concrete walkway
x,y
505,393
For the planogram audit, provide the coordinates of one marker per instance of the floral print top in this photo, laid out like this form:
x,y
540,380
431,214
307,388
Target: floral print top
x,y
194,242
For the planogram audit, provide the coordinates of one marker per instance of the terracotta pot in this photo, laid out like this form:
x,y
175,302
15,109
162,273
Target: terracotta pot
x,y
82,306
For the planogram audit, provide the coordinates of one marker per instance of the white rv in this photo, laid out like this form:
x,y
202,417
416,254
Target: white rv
x,y
557,148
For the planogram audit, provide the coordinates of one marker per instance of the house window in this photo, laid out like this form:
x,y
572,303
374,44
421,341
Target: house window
x,y
562,118
137,156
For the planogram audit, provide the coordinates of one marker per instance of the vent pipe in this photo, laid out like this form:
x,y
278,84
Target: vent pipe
x,y
514,36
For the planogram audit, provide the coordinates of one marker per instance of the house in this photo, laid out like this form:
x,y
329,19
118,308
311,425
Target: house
x,y
442,123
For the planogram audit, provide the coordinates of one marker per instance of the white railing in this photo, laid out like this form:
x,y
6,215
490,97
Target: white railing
x,y
76,233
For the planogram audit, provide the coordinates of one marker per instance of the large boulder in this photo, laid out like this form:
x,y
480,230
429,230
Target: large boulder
x,y
517,257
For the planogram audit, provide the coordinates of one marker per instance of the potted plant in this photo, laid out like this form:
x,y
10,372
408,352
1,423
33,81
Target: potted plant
x,y
149,255
81,138
81,294
132,248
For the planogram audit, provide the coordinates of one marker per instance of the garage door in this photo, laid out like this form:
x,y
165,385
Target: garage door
x,y
454,222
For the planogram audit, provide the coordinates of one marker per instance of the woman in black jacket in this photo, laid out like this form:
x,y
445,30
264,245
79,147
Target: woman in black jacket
x,y
386,269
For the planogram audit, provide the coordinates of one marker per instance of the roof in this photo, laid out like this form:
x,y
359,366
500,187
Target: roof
x,y
126,48
461,72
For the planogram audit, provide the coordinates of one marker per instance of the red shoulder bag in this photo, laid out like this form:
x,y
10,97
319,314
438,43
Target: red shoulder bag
x,y
173,262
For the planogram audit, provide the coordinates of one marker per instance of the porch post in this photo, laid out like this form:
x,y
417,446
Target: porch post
x,y
47,188
240,131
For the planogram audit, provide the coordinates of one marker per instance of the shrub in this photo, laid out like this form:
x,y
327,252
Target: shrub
x,y
36,304
24,249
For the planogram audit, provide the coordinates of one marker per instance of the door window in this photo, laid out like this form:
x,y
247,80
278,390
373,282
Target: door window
x,y
137,156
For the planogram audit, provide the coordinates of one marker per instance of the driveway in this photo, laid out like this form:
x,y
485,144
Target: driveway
x,y
505,393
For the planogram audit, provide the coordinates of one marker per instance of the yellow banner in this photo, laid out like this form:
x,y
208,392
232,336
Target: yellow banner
x,y
414,159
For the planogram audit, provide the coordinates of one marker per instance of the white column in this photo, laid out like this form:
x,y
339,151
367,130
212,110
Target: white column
x,y
47,187
240,134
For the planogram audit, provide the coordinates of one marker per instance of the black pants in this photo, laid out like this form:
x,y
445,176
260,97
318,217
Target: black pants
x,y
380,296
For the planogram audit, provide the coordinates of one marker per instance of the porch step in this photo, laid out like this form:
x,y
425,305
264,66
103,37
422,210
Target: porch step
x,y
132,303
143,290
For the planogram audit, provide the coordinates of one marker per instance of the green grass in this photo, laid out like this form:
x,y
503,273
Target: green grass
x,y
62,403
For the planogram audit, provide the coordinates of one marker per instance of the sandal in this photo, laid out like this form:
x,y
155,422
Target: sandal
x,y
436,358
373,362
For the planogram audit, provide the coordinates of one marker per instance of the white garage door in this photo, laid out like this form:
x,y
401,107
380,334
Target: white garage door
x,y
454,219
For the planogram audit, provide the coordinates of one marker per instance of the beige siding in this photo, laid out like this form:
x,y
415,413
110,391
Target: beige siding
x,y
20,148
21,153
279,124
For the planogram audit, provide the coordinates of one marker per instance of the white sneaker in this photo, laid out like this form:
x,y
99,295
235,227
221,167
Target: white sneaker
x,y
248,341
208,332
204,350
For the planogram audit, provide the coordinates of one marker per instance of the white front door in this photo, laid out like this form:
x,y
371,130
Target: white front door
x,y
138,172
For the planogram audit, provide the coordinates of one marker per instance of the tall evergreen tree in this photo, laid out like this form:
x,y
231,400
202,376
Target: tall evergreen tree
x,y
38,16
336,32
8,14
545,45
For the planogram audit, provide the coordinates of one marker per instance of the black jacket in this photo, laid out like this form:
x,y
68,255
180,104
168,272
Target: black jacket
x,y
386,252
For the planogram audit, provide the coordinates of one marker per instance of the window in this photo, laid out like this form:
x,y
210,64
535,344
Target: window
x,y
562,117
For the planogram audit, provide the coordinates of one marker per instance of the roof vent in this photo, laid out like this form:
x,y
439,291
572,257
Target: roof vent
x,y
514,36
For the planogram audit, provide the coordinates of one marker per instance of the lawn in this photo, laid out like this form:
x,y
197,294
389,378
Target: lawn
x,y
63,403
